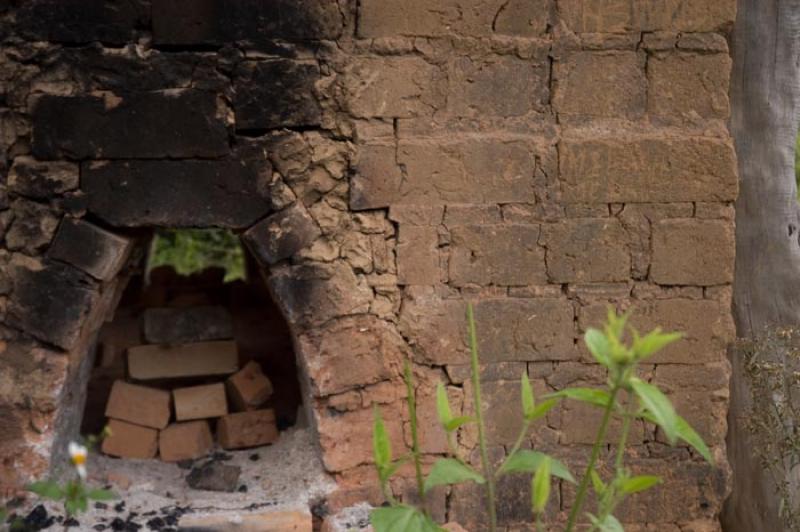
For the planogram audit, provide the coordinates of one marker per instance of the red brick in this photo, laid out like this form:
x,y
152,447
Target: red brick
x,y
269,521
185,441
140,405
247,429
249,388
148,362
200,402
130,441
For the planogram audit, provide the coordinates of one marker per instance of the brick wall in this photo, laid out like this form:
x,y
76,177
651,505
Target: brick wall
x,y
388,161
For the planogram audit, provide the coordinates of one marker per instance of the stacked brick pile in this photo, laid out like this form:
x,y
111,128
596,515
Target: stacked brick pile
x,y
185,381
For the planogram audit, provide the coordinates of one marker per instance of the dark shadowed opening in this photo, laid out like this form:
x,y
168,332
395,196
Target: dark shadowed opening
x,y
191,291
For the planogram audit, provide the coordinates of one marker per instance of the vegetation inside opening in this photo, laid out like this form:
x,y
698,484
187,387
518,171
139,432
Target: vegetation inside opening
x,y
193,250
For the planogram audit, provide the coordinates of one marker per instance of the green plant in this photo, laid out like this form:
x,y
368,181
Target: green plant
x,y
194,250
74,493
626,396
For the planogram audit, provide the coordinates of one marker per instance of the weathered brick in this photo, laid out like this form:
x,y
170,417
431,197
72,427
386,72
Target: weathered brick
x,y
345,438
32,227
84,22
384,18
689,85
247,429
185,441
175,123
600,85
316,293
395,87
50,301
618,16
175,193
657,169
475,86
350,353
98,252
281,235
508,329
496,255
276,93
418,255
147,362
472,171
140,405
707,326
586,250
693,252
262,521
249,388
193,22
130,441
182,325
200,402
41,180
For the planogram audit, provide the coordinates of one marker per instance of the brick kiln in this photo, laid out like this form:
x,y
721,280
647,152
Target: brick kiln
x,y
386,161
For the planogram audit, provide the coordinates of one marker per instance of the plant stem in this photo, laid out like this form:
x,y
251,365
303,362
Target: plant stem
x,y
601,436
488,472
526,425
412,413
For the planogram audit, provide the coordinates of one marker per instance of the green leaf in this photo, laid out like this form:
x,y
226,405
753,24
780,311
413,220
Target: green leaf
x,y
450,471
101,495
653,342
615,325
47,489
528,402
540,487
609,524
598,346
592,396
76,505
542,409
443,406
401,519
637,484
688,434
597,483
381,448
659,406
526,461
458,422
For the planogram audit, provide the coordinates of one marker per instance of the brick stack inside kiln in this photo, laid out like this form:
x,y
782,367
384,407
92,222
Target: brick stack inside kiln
x,y
184,384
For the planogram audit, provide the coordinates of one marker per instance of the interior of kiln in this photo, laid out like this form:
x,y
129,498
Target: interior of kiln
x,y
282,476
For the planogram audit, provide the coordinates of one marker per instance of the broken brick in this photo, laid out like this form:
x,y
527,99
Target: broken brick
x,y
200,402
249,388
185,441
130,441
247,429
140,405
147,362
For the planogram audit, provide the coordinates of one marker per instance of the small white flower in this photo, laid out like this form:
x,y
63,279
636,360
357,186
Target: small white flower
x,y
78,454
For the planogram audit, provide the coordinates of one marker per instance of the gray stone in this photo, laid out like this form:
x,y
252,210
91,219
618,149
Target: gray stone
x,y
184,325
214,476
282,234
98,252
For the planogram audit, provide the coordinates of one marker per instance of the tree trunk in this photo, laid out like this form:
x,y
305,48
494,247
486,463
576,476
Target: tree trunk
x,y
764,96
